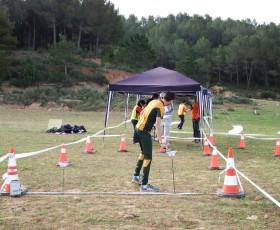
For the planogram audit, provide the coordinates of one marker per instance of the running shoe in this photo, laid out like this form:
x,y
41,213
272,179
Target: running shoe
x,y
136,180
148,188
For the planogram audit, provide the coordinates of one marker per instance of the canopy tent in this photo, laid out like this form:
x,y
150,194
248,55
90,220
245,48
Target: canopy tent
x,y
154,81
161,80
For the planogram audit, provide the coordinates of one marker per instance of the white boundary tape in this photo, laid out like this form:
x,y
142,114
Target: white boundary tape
x,y
22,155
245,177
4,157
29,154
119,193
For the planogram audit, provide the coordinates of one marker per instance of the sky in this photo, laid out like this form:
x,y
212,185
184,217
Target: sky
x,y
263,11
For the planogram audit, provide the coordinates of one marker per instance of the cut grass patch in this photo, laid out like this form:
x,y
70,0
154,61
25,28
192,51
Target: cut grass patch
x,y
111,171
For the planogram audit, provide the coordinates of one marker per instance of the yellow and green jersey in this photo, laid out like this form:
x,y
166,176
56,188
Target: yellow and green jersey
x,y
147,120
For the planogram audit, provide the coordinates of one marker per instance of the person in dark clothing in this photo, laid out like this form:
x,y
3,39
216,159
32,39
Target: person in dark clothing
x,y
155,96
195,116
181,113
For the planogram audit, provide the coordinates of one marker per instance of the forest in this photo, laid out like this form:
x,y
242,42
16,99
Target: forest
x,y
210,50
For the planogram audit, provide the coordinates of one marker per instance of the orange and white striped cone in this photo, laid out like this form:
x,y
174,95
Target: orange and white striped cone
x,y
230,188
242,142
214,161
88,148
12,175
230,159
211,138
161,149
277,148
122,144
206,148
63,162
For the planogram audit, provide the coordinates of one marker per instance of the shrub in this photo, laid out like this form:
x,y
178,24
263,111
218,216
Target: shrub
x,y
220,100
77,76
56,76
100,79
86,98
268,94
24,76
89,63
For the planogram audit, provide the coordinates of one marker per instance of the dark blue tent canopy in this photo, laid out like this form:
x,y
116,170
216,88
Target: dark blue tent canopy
x,y
156,80
160,80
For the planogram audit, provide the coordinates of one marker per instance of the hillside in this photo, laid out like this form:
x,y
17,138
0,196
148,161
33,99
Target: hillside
x,y
86,86
112,74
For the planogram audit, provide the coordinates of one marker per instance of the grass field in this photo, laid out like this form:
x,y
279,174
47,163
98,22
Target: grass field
x,y
108,173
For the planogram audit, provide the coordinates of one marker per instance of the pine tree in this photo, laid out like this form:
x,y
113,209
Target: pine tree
x,y
7,40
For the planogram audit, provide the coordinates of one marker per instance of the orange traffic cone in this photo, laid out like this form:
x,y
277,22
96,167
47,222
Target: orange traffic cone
x,y
230,188
206,149
230,159
214,161
161,149
12,173
122,144
88,148
63,162
277,148
242,142
211,138
12,177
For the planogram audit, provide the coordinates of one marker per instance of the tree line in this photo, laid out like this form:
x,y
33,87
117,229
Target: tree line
x,y
210,50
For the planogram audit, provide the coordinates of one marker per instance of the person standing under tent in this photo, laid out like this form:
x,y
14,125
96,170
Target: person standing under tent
x,y
195,116
135,115
181,113
152,114
155,96
166,121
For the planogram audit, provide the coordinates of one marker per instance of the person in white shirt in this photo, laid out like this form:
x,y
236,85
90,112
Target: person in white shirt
x,y
166,121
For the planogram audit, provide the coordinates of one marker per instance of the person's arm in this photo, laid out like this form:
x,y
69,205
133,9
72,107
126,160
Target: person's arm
x,y
157,124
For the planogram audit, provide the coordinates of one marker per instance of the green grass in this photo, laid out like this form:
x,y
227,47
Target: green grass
x,y
110,171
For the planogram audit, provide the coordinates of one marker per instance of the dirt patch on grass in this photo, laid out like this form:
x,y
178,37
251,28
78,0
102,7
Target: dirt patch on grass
x,y
114,75
229,93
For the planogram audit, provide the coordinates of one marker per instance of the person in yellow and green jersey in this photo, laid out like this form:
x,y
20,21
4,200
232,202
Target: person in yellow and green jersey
x,y
181,113
135,115
151,116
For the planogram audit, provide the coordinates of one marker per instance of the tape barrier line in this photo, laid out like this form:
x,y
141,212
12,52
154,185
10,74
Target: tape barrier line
x,y
29,154
233,134
243,175
22,155
259,188
4,157
119,193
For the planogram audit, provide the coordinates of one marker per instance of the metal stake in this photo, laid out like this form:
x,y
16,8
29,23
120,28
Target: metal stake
x,y
173,175
62,178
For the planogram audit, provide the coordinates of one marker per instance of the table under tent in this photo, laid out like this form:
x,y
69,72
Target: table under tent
x,y
162,80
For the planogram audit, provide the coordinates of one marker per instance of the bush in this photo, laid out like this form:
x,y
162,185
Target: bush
x,y
238,100
268,94
100,79
86,98
220,100
89,63
24,76
76,76
56,76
